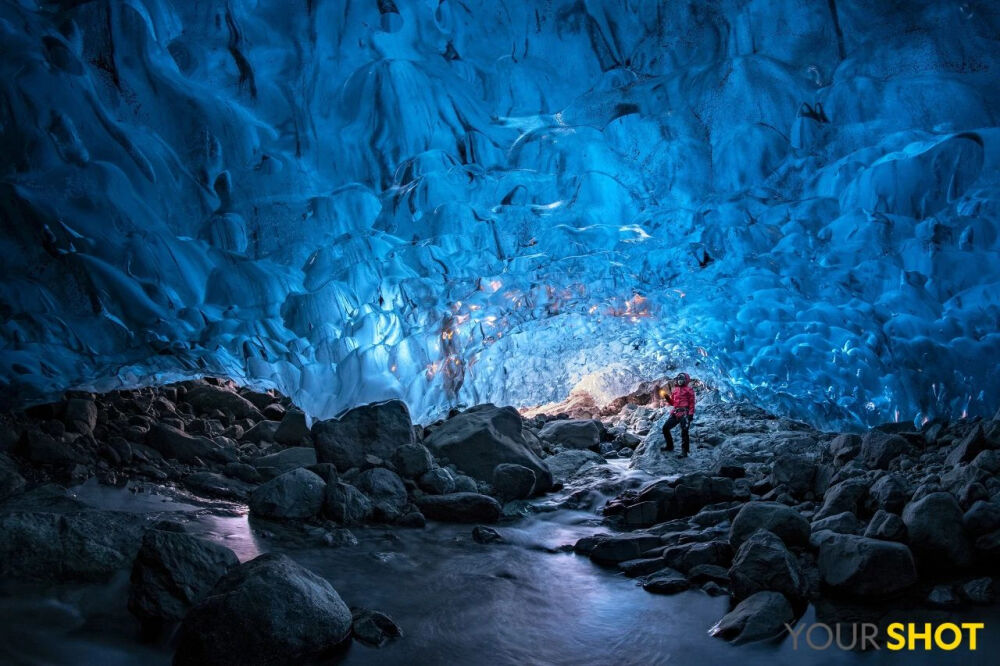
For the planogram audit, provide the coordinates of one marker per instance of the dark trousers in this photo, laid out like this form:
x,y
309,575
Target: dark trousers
x,y
685,423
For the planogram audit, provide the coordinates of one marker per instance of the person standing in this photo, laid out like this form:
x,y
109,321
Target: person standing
x,y
682,400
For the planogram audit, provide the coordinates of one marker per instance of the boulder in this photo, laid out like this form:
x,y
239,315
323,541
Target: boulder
x,y
264,431
373,628
886,526
173,443
174,571
512,482
666,581
572,433
795,472
439,481
936,532
275,464
210,484
616,549
687,556
865,568
844,448
878,448
888,493
783,521
293,430
412,460
42,448
847,495
80,415
38,545
566,464
460,508
346,504
979,591
480,438
386,491
981,518
971,446
293,495
207,397
269,610
763,563
758,617
377,429
841,523
686,495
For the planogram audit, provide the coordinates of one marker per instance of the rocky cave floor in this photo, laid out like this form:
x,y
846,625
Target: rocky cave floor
x,y
770,512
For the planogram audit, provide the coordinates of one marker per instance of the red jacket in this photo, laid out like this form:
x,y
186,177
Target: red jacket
x,y
682,399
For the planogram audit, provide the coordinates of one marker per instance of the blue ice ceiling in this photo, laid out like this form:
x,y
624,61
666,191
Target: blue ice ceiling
x,y
456,202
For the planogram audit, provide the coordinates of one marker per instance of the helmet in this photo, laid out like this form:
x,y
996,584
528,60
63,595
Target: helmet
x,y
683,379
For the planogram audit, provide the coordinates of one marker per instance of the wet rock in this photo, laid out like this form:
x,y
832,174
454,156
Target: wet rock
x,y
943,596
460,508
293,430
439,481
373,628
795,472
842,523
210,484
11,482
377,429
269,610
763,563
878,449
486,535
758,617
275,464
865,568
293,495
847,495
346,504
566,464
979,591
81,546
174,571
512,482
666,581
572,433
412,460
685,557
686,495
386,491
642,514
641,567
886,526
981,518
611,550
783,521
936,533
173,443
80,415
709,572
208,397
243,472
482,437
844,448
466,484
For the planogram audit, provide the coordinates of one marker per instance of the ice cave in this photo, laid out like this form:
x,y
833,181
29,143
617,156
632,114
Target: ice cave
x,y
397,265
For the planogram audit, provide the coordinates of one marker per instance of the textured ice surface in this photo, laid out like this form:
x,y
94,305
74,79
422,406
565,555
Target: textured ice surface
x,y
492,199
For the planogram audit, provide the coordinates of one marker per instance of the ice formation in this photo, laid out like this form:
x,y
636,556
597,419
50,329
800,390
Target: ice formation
x,y
460,201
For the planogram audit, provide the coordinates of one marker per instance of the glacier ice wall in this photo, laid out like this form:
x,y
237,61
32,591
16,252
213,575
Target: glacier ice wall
x,y
457,201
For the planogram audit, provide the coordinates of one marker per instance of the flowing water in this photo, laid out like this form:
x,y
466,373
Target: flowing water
x,y
458,602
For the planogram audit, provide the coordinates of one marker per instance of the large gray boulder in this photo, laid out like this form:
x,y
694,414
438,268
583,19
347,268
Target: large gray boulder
x,y
376,429
886,526
936,532
865,568
566,464
275,464
763,563
346,504
293,495
412,460
572,433
758,617
512,482
878,448
888,493
173,443
795,472
844,448
172,572
386,490
848,495
268,611
781,520
460,508
293,430
480,438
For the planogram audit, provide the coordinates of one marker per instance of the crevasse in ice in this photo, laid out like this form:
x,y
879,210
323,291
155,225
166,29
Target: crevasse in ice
x,y
459,201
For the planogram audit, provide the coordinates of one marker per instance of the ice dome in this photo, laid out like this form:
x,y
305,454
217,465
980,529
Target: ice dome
x,y
491,200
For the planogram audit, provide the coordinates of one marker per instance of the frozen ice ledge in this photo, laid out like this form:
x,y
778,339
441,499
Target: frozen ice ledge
x,y
490,200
